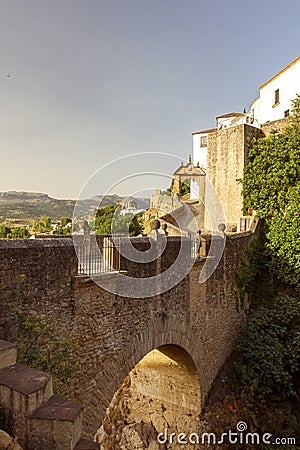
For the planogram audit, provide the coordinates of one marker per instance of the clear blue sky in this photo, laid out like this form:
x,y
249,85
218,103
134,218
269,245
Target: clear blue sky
x,y
93,80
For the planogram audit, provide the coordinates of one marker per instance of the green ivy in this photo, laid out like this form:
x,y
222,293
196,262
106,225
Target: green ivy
x,y
253,267
269,349
271,187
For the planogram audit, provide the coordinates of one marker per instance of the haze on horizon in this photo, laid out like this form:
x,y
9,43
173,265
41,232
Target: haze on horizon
x,y
94,81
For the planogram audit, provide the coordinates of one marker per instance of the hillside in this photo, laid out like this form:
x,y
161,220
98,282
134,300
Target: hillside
x,y
33,205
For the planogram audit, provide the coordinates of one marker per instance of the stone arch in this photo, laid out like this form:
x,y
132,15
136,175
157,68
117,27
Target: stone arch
x,y
174,340
173,378
160,395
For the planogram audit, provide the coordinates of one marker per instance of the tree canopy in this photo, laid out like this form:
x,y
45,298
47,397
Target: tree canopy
x,y
14,232
108,221
43,225
185,188
271,187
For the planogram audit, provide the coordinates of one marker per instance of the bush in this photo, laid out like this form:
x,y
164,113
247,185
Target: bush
x,y
269,349
41,346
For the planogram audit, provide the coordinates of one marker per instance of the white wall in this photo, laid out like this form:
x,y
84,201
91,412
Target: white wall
x,y
288,83
227,122
199,155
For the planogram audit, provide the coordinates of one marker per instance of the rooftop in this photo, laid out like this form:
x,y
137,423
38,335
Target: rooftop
x,y
235,114
280,72
205,131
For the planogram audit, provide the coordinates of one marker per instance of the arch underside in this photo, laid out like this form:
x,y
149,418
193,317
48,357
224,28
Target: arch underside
x,y
108,379
161,392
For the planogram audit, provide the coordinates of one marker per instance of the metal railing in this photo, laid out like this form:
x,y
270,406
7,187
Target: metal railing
x,y
98,254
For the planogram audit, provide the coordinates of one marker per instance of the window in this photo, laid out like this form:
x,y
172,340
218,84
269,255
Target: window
x,y
203,141
276,97
287,113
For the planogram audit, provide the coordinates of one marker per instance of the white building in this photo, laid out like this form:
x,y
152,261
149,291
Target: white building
x,y
200,147
134,211
273,103
275,95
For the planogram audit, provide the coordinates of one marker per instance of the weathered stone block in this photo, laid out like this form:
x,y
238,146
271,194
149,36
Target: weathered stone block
x,y
22,389
58,421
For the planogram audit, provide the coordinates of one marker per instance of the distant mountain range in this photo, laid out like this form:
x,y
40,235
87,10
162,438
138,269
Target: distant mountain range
x,y
33,205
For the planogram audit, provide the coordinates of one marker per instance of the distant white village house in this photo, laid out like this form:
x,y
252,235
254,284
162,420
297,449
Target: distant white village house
x,y
129,206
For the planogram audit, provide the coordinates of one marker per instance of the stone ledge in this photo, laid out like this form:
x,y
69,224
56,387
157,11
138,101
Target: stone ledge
x,y
83,278
57,408
23,379
35,243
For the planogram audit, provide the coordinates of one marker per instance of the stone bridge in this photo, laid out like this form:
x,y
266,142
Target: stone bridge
x,y
193,324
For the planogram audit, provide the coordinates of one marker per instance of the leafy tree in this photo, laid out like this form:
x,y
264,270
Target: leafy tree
x,y
108,221
64,221
167,192
35,225
43,225
4,231
271,186
104,217
14,232
20,233
185,188
61,230
65,226
128,224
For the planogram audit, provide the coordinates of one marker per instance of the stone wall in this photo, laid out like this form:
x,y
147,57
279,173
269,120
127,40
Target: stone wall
x,y
117,332
215,315
275,125
37,275
227,155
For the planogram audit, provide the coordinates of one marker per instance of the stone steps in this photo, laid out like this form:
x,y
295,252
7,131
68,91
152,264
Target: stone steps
x,y
22,389
59,419
30,411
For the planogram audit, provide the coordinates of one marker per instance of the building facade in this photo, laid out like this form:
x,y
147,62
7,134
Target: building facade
x,y
275,95
223,151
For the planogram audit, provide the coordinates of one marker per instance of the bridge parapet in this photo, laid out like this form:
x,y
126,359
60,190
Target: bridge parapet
x,y
37,275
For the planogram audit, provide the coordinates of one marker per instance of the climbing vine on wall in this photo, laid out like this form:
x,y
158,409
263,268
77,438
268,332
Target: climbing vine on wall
x,y
271,186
